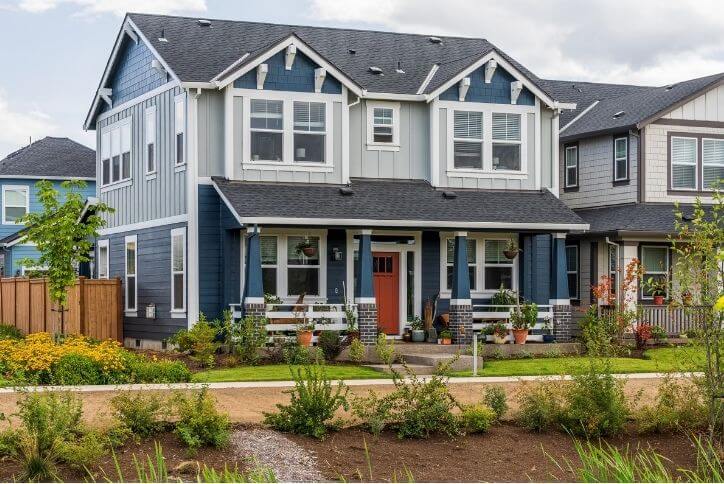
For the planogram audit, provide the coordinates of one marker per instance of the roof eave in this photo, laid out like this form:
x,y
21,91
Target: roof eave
x,y
648,120
600,132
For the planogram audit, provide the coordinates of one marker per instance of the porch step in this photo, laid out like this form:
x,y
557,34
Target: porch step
x,y
463,362
418,369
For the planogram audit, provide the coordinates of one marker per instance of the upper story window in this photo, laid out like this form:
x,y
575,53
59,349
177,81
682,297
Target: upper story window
x,y
712,160
267,130
310,130
572,270
571,161
15,203
620,159
180,128
683,163
468,140
506,141
150,133
116,152
383,125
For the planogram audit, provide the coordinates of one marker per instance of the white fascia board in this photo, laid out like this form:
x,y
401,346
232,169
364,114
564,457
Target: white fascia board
x,y
301,47
17,241
198,85
578,116
159,222
214,80
136,100
387,96
39,177
428,78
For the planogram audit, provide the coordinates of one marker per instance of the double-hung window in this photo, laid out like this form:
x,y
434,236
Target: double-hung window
x,y
103,265
506,141
310,131
178,269
498,268
382,124
683,163
303,265
116,152
572,270
267,130
468,140
571,159
180,128
620,159
472,262
15,203
131,275
150,132
268,263
712,160
655,261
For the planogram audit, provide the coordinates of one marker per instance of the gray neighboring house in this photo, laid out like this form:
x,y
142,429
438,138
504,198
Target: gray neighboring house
x,y
627,154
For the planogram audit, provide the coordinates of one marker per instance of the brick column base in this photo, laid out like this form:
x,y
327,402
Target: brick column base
x,y
255,309
563,325
367,322
461,323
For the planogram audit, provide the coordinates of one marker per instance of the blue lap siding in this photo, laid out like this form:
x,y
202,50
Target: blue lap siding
x,y
498,91
133,75
300,78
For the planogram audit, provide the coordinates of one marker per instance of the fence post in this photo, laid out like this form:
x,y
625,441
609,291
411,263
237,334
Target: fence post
x,y
81,305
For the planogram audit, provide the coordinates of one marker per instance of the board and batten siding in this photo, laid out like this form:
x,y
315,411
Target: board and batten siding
x,y
146,199
707,107
211,133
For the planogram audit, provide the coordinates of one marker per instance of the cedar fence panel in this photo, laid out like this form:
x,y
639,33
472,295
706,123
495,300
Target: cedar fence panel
x,y
95,307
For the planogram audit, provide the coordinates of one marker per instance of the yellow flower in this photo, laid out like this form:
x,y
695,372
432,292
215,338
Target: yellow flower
x,y
719,306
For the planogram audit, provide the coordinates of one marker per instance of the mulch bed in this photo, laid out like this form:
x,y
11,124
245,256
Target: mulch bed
x,y
505,453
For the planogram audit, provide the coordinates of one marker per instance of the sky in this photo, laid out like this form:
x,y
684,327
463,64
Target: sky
x,y
54,51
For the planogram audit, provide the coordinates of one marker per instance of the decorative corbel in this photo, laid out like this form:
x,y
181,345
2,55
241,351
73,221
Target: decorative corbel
x,y
463,88
261,72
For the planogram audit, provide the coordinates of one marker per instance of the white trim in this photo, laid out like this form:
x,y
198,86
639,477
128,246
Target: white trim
x,y
365,300
231,67
428,78
24,188
179,232
719,164
460,234
365,232
104,244
537,156
559,235
387,96
254,300
136,100
370,107
107,132
115,186
191,257
38,177
153,51
461,302
345,136
130,239
555,155
158,222
616,159
578,116
435,143
180,99
20,240
32,268
654,272
566,167
229,132
695,164
197,85
150,112
151,176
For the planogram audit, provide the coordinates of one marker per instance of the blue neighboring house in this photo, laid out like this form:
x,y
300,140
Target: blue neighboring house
x,y
53,159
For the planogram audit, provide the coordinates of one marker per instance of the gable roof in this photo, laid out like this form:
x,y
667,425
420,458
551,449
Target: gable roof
x,y
640,104
50,157
653,218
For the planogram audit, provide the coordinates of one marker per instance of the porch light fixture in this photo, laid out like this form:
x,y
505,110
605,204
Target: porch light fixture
x,y
289,57
463,88
336,254
515,89
261,73
490,67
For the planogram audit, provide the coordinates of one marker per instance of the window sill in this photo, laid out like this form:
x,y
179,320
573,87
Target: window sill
x,y
277,166
151,176
570,189
131,314
179,168
114,186
383,147
178,314
618,183
513,175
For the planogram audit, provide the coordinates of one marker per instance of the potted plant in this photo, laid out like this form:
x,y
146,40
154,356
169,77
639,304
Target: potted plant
x,y
307,248
548,331
270,300
499,332
416,328
523,318
406,335
445,337
304,334
503,299
657,288
511,250
687,298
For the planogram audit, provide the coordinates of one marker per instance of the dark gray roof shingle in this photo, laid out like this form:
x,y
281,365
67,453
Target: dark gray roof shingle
x,y
634,217
413,200
52,157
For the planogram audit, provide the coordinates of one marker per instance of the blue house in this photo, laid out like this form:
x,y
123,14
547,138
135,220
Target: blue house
x,y
325,167
53,159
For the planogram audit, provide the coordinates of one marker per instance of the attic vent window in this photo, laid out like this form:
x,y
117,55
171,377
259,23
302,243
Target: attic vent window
x,y
619,114
204,23
162,37
435,40
375,70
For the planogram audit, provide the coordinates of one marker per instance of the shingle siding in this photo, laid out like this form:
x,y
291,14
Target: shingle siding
x,y
133,75
300,78
497,92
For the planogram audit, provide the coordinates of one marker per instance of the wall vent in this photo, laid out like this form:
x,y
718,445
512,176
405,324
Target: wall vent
x,y
435,40
375,70
203,22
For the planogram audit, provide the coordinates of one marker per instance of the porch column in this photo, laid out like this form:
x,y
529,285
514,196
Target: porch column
x,y
253,299
461,305
559,298
364,291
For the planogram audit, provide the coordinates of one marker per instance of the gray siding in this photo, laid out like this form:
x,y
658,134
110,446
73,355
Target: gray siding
x,y
595,174
412,161
548,171
143,200
211,133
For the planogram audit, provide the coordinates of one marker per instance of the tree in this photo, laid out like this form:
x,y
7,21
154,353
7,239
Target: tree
x,y
699,245
62,241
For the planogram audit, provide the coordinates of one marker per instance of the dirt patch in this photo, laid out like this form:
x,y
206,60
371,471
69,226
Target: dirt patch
x,y
506,453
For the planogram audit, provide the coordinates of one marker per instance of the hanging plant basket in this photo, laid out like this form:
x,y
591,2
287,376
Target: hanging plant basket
x,y
309,251
511,254
306,248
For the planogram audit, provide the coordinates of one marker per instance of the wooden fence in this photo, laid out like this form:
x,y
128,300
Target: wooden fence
x,y
675,320
95,307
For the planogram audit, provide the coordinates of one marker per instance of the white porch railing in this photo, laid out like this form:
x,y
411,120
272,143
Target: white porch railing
x,y
484,314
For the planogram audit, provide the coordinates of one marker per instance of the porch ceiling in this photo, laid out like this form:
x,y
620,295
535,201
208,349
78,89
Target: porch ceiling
x,y
399,203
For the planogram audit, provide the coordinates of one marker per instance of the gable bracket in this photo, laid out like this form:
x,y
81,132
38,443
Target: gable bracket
x,y
463,88
105,93
515,89
319,75
289,57
261,72
128,30
490,67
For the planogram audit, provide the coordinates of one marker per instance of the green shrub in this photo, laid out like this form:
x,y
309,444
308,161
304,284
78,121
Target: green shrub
x,y
84,451
199,422
678,407
246,337
73,369
200,341
8,442
659,334
600,334
10,332
140,369
312,405
143,414
385,349
496,400
476,419
294,354
330,343
540,407
356,351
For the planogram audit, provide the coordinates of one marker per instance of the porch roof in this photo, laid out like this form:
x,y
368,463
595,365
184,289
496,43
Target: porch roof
x,y
394,203
643,218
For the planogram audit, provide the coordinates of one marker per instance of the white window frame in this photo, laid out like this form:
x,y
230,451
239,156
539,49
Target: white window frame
x,y
568,166
104,244
179,102
23,188
695,164
287,99
616,159
703,140
377,145
655,271
470,140
107,139
179,232
480,238
150,136
312,133
518,143
575,295
488,109
272,266
132,312
451,264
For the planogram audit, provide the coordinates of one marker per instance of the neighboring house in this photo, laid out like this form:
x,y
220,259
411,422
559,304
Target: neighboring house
x,y
53,159
627,154
247,158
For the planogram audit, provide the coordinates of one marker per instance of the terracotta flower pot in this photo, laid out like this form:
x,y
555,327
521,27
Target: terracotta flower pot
x,y
659,300
520,335
309,251
304,338
446,341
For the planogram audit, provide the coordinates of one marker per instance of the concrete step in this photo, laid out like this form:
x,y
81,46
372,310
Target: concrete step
x,y
463,362
417,369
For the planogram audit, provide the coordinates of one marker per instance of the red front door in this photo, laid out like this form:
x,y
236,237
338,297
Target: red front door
x,y
386,269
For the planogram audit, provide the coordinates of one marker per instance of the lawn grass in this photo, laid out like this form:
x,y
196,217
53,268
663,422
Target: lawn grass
x,y
282,372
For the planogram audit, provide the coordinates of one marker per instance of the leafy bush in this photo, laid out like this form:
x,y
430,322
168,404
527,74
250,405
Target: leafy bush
x,y
659,334
385,349
295,354
10,332
312,405
142,370
142,414
200,423
200,341
356,351
496,400
599,334
74,369
246,337
642,333
82,452
678,407
540,407
330,343
476,419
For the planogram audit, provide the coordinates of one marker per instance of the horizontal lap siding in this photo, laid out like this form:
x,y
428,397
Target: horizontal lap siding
x,y
210,253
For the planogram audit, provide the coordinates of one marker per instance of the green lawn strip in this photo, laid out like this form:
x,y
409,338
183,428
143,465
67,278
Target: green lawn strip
x,y
282,373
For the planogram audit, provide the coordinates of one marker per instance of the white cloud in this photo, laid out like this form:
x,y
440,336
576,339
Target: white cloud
x,y
18,126
648,41
116,7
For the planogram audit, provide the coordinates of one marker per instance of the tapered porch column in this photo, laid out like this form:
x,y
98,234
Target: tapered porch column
x,y
253,299
560,301
461,305
364,291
